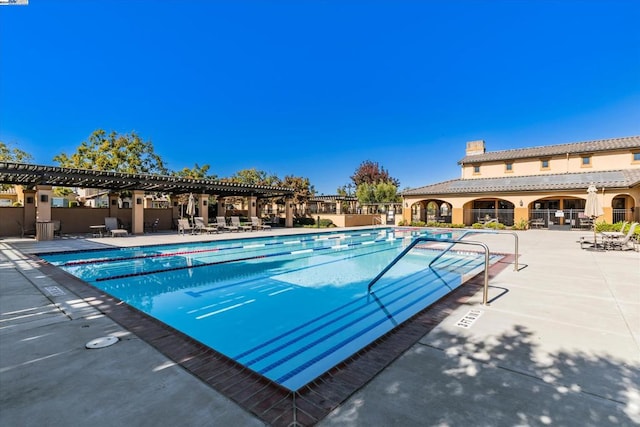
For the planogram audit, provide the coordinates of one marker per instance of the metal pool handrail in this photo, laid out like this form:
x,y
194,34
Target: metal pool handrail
x,y
468,232
485,295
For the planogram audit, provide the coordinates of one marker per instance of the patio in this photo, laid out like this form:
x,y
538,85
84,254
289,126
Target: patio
x,y
558,345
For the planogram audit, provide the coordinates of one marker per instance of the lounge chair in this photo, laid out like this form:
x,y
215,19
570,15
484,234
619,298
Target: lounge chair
x,y
257,224
183,226
199,226
113,228
623,242
222,222
235,222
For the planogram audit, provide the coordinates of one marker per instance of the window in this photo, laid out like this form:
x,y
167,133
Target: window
x,y
585,162
544,164
476,169
508,167
636,157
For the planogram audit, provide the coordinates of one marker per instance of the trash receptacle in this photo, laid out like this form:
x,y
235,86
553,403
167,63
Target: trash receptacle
x,y
44,230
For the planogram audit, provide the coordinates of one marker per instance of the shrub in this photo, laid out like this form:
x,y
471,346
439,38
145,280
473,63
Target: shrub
x,y
523,224
495,226
324,222
303,220
418,223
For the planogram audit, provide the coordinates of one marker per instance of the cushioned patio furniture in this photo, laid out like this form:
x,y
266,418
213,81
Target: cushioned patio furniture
x,y
113,228
258,225
235,222
199,226
222,222
624,242
184,226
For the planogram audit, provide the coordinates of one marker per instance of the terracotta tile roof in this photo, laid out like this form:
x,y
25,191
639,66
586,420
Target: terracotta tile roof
x,y
630,142
567,181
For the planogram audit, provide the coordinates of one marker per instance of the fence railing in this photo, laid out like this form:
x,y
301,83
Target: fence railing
x,y
504,216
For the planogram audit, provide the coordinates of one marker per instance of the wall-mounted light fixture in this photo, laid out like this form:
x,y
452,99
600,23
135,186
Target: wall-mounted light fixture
x,y
113,202
253,204
138,201
204,203
521,204
44,198
29,200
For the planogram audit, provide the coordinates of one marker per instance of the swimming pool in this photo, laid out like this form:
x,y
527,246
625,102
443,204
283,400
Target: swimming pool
x,y
289,308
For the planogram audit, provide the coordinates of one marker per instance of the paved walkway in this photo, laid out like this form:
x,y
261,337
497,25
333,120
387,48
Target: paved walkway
x,y
559,345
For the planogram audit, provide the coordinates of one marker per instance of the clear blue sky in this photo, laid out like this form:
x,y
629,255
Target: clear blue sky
x,y
313,88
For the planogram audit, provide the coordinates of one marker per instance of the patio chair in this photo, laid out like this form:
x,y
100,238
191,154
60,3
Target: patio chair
x,y
258,225
152,226
183,226
57,228
536,222
235,222
585,223
222,222
113,228
623,242
199,226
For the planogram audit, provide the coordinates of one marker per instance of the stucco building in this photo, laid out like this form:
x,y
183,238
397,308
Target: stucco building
x,y
547,184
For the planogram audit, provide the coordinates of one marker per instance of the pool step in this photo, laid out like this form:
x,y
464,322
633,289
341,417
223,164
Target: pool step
x,y
353,325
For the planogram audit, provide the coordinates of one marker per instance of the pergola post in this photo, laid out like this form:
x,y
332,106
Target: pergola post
x,y
203,207
113,204
288,209
43,203
222,211
253,202
137,212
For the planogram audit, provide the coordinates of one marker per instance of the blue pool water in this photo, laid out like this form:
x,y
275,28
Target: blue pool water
x,y
290,307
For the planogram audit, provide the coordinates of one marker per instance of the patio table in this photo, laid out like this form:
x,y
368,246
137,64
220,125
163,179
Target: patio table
x,y
97,230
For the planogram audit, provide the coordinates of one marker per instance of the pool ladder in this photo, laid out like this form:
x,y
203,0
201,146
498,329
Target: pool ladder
x,y
453,242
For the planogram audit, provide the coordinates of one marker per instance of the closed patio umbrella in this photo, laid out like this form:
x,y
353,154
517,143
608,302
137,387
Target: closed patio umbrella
x,y
592,208
191,206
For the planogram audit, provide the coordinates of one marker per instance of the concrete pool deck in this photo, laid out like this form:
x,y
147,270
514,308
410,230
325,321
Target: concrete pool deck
x,y
558,345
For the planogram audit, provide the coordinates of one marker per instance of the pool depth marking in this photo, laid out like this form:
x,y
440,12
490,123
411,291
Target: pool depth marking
x,y
469,319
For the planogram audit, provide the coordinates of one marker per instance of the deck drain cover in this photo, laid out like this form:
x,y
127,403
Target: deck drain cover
x,y
102,342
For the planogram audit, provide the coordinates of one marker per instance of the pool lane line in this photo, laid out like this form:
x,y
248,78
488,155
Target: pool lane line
x,y
207,264
195,251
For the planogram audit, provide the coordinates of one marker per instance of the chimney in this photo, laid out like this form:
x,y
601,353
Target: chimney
x,y
475,147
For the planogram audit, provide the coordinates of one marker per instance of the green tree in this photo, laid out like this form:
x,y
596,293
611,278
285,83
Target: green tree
x,y
197,172
385,192
114,152
303,190
254,176
381,192
365,193
8,154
